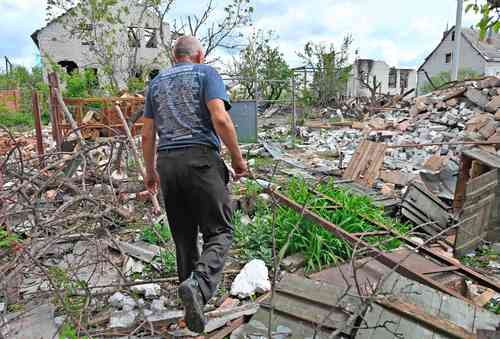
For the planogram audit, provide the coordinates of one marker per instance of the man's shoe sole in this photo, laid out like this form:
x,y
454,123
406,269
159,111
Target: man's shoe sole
x,y
195,318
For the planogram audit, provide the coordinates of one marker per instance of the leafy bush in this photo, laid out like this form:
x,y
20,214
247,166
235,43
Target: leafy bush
x,y
9,118
445,77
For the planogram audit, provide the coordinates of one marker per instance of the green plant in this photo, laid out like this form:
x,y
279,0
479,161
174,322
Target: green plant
x,y
254,241
493,306
7,240
135,84
71,302
69,332
157,234
168,261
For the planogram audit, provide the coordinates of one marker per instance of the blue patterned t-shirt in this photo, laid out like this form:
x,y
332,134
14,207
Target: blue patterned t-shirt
x,y
177,101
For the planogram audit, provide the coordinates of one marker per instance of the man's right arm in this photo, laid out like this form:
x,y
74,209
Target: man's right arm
x,y
225,129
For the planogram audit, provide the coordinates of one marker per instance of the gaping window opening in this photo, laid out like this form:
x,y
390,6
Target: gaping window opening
x,y
86,30
448,58
403,78
393,76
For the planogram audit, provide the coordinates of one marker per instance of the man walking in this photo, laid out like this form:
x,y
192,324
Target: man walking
x,y
187,106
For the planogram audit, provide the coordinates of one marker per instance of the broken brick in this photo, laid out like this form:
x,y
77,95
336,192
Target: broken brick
x,y
435,162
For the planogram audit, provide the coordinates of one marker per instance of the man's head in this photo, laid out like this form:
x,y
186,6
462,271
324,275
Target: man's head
x,y
188,49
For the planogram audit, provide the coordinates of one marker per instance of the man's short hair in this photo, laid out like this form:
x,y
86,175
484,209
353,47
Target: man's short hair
x,y
187,46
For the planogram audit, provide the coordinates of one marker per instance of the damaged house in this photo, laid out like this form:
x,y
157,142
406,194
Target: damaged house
x,y
73,42
392,80
481,57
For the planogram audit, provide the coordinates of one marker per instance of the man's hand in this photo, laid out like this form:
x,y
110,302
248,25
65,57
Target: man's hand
x,y
240,168
152,181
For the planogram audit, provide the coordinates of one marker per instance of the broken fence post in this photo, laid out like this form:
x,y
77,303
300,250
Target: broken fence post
x,y
154,198
38,125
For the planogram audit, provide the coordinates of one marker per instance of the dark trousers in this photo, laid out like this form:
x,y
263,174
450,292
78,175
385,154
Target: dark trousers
x,y
194,183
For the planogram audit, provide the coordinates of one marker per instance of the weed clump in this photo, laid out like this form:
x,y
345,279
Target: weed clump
x,y
298,235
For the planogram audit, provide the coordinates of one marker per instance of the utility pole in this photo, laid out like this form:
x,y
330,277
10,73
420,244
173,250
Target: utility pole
x,y
458,40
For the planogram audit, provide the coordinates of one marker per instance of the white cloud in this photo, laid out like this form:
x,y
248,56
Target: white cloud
x,y
401,32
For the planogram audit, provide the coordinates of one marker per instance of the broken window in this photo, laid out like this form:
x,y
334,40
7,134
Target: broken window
x,y
448,58
453,36
403,78
85,33
393,76
134,40
152,41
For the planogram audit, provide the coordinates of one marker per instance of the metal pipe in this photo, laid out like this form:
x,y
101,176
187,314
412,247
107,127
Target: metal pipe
x,y
38,125
458,40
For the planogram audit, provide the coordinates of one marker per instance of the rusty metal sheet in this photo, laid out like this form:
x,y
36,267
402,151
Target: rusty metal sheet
x,y
366,163
477,212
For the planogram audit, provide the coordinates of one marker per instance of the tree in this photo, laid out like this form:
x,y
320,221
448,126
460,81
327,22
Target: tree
x,y
490,14
330,67
444,77
260,63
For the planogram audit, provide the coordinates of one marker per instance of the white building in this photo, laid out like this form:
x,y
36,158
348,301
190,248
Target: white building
x,y
135,38
482,57
393,80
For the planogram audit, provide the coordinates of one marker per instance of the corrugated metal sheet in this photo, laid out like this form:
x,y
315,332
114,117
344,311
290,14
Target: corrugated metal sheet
x,y
244,115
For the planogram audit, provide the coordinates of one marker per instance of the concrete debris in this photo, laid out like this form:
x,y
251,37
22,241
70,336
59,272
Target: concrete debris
x,y
121,301
158,305
253,278
123,319
147,290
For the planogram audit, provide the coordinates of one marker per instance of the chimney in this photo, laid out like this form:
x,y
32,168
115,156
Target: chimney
x,y
489,38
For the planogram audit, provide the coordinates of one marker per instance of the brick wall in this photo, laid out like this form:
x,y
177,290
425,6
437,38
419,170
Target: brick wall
x,y
11,99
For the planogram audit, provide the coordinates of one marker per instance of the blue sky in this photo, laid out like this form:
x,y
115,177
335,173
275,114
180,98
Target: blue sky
x,y
401,32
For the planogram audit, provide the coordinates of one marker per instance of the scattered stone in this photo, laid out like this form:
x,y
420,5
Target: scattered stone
x,y
2,307
493,105
147,290
158,305
476,97
58,321
122,319
253,278
293,262
122,301
497,115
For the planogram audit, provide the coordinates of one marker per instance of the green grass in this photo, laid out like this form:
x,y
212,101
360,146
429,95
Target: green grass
x,y
11,119
296,234
158,234
7,240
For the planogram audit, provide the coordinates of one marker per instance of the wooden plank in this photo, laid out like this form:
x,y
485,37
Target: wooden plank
x,y
366,163
476,213
419,315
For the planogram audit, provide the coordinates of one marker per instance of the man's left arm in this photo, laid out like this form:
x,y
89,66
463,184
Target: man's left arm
x,y
151,181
